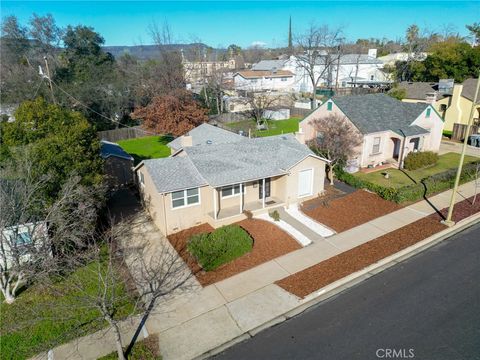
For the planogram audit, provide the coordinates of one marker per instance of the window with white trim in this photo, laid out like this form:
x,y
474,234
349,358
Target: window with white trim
x,y
185,198
284,79
231,190
376,145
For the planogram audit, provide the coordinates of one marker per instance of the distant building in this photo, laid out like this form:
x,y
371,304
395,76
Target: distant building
x,y
118,164
391,59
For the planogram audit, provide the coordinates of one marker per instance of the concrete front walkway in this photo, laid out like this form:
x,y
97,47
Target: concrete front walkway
x,y
192,324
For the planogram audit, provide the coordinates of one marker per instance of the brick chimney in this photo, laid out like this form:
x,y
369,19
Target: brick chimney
x,y
186,141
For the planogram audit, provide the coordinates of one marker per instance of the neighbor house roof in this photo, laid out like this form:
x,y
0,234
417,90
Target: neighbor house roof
x,y
418,90
269,65
227,163
173,173
360,58
255,74
468,90
207,134
379,112
108,149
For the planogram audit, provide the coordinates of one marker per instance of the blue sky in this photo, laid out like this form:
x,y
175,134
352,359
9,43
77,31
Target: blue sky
x,y
243,23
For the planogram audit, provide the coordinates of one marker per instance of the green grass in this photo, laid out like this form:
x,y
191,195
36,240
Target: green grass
x,y
41,319
220,246
148,147
275,127
399,178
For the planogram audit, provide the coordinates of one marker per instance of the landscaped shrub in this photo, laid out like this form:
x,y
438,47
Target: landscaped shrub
x,y
219,247
418,160
275,215
428,186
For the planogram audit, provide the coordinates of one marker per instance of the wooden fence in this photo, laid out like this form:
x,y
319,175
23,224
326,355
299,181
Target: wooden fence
x,y
122,134
460,131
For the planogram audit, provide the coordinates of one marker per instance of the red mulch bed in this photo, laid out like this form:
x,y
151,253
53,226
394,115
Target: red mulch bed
x,y
349,211
269,242
315,277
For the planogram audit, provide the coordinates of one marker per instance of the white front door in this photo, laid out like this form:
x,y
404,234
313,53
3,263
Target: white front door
x,y
305,182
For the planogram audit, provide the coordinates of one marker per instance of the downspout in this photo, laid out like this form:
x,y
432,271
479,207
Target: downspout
x,y
402,150
165,215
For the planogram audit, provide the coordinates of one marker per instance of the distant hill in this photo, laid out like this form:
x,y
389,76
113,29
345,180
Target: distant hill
x,y
146,52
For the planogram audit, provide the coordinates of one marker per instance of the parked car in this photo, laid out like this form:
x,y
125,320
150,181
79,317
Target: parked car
x,y
474,140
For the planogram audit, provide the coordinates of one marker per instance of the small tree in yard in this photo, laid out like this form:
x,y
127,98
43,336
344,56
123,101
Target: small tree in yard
x,y
34,233
337,140
175,114
258,102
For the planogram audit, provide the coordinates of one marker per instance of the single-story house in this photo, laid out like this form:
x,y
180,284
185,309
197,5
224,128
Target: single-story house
x,y
390,128
118,164
215,181
453,103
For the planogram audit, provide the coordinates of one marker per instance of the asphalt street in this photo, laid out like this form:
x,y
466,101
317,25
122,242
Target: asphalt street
x,y
427,307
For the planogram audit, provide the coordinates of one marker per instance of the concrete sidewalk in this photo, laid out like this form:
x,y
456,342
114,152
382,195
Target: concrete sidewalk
x,y
236,308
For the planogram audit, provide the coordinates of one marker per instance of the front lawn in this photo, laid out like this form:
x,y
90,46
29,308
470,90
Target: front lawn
x,y
148,147
275,127
220,246
41,319
399,178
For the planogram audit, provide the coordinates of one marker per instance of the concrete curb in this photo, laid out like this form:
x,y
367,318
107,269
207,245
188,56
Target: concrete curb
x,y
350,281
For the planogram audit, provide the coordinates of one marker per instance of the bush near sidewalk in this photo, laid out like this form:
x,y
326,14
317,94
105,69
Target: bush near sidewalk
x,y
426,187
146,349
418,160
219,247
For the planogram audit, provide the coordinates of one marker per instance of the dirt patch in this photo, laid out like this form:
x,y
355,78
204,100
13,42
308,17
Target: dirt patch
x,y
269,242
315,277
348,211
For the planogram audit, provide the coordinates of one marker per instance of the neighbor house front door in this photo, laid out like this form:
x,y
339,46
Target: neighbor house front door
x,y
267,188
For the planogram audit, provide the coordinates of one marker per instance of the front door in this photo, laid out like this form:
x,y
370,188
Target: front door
x,y
396,148
260,188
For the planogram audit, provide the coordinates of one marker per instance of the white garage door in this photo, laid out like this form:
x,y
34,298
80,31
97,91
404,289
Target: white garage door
x,y
305,182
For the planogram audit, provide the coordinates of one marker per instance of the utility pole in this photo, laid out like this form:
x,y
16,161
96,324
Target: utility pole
x,y
449,221
49,79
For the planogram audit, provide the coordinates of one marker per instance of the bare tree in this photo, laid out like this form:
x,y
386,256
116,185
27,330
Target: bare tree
x,y
318,50
257,103
34,234
337,140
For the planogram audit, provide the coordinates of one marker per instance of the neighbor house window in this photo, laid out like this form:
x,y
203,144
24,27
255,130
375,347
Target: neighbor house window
x,y
185,198
231,190
376,145
428,112
329,106
284,79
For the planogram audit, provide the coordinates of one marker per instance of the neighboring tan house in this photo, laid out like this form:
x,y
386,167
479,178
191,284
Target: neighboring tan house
x,y
216,181
118,164
391,59
390,128
454,104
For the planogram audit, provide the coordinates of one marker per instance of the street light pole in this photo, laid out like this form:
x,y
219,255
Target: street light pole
x,y
449,221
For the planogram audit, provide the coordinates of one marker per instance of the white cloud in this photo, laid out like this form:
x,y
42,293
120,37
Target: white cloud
x,y
258,44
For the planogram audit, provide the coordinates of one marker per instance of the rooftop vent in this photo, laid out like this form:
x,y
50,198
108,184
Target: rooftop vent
x,y
209,142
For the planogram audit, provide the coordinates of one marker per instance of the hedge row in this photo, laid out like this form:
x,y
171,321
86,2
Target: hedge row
x,y
428,186
418,160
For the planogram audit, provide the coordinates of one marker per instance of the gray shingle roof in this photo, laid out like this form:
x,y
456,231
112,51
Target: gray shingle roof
x,y
418,90
173,173
252,159
205,132
227,163
380,112
468,90
361,58
108,149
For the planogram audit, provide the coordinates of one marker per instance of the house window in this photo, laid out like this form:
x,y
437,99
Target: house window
x,y
284,79
376,145
429,110
22,239
371,77
443,107
232,190
142,178
254,81
185,198
329,106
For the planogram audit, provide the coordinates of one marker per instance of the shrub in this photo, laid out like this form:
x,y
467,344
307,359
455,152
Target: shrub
x,y
275,215
418,160
248,214
221,246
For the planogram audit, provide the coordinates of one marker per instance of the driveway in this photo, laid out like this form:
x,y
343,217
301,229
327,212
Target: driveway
x,y
450,146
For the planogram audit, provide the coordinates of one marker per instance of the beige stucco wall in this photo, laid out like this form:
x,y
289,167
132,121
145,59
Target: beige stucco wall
x,y
291,186
459,112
